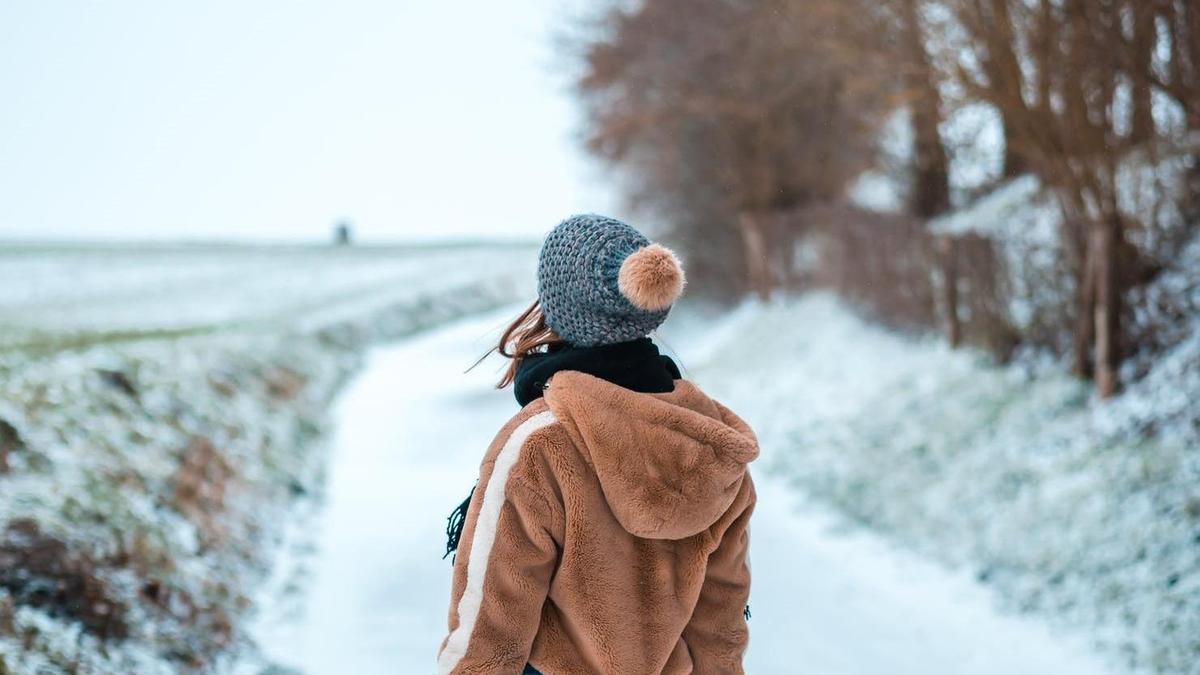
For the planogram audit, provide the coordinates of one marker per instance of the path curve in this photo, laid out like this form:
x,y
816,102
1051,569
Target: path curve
x,y
410,431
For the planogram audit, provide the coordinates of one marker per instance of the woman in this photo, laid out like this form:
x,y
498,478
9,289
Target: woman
x,y
608,530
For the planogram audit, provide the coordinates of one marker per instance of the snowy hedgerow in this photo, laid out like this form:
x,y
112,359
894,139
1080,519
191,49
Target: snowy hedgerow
x,y
147,477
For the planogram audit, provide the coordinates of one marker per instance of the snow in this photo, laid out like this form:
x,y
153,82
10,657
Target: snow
x,y
876,191
410,431
886,188
1068,506
885,459
1019,206
52,294
172,464
829,601
974,135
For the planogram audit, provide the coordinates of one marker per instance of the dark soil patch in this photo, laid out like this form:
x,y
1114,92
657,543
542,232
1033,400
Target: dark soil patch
x,y
40,571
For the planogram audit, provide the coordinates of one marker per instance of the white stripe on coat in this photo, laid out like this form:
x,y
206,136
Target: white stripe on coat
x,y
482,540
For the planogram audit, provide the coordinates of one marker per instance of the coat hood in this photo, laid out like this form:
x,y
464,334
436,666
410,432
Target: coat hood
x,y
669,464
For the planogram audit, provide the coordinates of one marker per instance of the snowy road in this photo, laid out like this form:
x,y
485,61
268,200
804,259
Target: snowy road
x,y
411,430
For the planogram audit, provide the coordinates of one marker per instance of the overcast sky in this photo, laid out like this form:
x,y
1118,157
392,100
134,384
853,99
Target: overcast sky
x,y
270,120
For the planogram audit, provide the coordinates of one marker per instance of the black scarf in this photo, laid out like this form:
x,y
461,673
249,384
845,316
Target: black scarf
x,y
635,365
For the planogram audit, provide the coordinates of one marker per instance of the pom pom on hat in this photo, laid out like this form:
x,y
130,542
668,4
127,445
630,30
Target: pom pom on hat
x,y
651,278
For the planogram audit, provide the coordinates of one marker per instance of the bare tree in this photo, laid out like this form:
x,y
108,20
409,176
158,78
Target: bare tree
x,y
1072,80
742,122
771,103
931,170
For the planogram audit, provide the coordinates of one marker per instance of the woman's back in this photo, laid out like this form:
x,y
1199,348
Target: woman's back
x,y
608,532
607,535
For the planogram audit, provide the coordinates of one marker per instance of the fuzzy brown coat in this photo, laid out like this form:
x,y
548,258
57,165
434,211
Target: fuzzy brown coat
x,y
608,534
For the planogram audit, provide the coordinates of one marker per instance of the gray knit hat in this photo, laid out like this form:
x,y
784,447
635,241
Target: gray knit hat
x,y
602,282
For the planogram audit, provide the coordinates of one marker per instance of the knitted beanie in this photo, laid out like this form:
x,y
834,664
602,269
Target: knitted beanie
x,y
601,282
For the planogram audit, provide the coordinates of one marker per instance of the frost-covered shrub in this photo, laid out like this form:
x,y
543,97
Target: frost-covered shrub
x,y
1081,509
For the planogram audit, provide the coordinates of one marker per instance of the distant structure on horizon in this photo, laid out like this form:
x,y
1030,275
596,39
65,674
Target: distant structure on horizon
x,y
341,233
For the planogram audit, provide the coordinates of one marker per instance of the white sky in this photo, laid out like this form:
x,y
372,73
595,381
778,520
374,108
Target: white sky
x,y
269,120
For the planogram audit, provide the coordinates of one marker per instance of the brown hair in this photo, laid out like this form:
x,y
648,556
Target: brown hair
x,y
527,334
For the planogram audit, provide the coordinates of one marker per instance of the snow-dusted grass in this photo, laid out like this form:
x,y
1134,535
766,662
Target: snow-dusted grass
x,y
160,418
1086,511
106,471
63,296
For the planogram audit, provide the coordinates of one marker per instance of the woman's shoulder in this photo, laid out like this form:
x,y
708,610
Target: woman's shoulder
x,y
533,421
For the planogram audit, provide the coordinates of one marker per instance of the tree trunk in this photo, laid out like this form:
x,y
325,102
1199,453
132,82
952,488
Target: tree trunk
x,y
784,243
754,246
1144,37
1191,31
947,249
1085,301
931,183
1014,163
1108,306
1003,70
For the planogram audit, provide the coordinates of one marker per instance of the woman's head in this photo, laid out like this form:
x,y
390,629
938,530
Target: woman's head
x,y
599,282
602,282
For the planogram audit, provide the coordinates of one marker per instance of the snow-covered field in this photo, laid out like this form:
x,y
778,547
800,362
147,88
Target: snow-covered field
x,y
161,440
54,296
410,432
153,444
